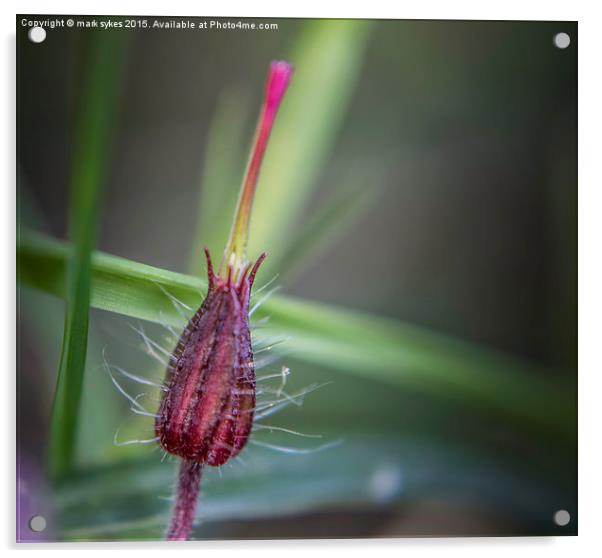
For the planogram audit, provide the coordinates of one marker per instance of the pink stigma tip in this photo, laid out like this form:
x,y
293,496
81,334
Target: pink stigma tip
x,y
278,80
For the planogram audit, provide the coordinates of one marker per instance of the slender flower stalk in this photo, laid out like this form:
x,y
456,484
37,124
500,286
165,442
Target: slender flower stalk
x,y
207,410
189,483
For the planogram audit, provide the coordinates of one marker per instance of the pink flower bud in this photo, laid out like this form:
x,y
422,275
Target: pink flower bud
x,y
207,411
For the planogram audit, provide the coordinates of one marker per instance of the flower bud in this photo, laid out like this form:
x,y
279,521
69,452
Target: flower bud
x,y
206,413
207,410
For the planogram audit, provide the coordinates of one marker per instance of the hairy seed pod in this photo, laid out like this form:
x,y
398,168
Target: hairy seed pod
x,y
206,413
207,410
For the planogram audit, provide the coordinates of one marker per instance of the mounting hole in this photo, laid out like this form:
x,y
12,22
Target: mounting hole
x,y
562,40
562,518
37,523
37,34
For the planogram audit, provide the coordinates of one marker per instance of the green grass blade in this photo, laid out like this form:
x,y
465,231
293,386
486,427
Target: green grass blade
x,y
327,58
373,347
89,163
97,400
119,285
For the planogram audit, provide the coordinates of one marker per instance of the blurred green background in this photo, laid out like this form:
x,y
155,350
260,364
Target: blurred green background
x,y
420,171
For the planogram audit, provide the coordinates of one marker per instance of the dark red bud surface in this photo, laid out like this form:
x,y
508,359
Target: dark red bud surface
x,y
207,410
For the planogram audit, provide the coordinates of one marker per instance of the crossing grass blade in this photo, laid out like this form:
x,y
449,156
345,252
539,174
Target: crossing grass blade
x,y
384,350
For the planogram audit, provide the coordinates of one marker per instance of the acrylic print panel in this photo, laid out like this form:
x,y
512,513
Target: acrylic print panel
x,y
402,363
